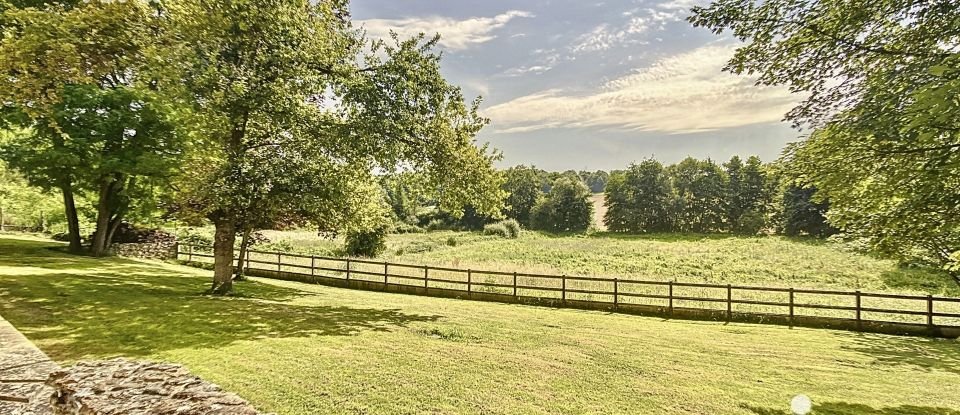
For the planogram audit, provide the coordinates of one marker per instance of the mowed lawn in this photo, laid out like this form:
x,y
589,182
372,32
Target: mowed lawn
x,y
294,348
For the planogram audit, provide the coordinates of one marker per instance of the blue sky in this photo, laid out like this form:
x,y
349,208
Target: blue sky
x,y
594,84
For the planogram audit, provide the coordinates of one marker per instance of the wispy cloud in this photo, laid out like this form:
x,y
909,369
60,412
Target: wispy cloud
x,y
454,34
639,21
679,94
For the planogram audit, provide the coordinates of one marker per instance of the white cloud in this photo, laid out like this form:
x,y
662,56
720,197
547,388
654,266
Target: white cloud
x,y
604,36
454,34
679,94
639,21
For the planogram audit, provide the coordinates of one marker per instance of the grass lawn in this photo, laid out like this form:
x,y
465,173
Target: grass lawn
x,y
300,349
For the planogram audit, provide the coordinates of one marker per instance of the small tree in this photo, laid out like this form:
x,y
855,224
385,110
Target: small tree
x,y
701,192
566,208
523,188
802,215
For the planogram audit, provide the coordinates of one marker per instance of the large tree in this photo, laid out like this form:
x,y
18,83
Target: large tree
x,y
294,76
78,83
566,208
880,80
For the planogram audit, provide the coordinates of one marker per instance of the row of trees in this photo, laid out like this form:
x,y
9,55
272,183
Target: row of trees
x,y
246,114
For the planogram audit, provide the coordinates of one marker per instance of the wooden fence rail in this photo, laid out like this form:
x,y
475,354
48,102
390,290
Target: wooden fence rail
x,y
936,314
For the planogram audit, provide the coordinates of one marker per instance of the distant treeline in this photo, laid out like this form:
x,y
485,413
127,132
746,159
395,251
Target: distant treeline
x,y
745,197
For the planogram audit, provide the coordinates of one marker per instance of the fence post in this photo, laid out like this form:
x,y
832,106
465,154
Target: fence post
x,y
616,293
384,275
729,302
930,310
190,253
348,269
858,309
247,268
426,278
278,264
791,307
670,296
469,283
176,249
514,285
313,267
563,289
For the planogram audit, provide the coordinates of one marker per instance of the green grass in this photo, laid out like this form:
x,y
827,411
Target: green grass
x,y
772,261
301,349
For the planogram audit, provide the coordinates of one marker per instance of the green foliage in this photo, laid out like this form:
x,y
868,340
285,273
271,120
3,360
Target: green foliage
x,y
701,196
566,208
83,91
368,243
496,229
881,95
25,205
523,187
506,228
750,222
640,199
804,216
596,180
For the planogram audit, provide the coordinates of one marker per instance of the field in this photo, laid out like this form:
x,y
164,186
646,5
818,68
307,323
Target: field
x,y
773,261
302,349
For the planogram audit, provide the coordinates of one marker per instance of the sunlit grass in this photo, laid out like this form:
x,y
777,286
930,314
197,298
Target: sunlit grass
x,y
301,349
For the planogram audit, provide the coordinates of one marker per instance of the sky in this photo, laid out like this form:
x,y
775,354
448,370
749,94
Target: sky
x,y
594,84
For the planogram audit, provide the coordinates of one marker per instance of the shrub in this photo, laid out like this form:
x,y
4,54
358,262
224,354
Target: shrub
x,y
513,227
451,241
366,243
437,225
750,223
404,227
497,229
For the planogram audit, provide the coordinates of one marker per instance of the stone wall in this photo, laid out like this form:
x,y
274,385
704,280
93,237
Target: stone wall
x,y
122,387
150,250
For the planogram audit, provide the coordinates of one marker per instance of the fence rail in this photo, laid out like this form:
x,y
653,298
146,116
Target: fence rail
x,y
934,313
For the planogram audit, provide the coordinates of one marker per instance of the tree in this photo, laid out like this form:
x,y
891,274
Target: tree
x,y
747,195
802,215
596,181
567,208
25,205
523,188
287,75
701,195
880,79
639,199
79,86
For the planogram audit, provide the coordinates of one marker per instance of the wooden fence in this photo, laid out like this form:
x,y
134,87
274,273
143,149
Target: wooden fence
x,y
854,310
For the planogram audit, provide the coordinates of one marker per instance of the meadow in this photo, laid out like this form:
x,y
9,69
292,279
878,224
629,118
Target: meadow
x,y
295,348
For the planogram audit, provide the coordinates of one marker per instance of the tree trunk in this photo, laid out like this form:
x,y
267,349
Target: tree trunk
x,y
244,245
223,239
73,223
105,210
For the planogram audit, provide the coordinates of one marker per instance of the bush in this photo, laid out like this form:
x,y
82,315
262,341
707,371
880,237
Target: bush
x,y
750,223
437,225
451,241
404,227
506,228
497,229
366,243
513,227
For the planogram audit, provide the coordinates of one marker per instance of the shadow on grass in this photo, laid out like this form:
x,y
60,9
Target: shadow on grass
x,y
928,354
843,408
79,308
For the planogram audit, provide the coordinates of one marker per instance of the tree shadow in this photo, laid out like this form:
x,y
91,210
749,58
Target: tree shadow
x,y
689,237
923,279
135,309
844,408
923,353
